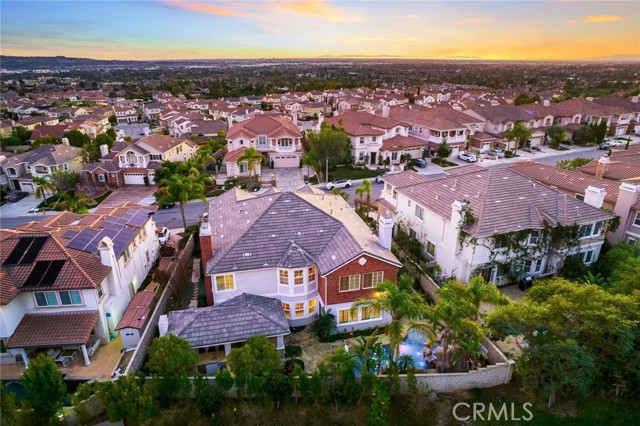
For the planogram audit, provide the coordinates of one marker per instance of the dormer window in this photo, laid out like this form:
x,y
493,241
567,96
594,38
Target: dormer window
x,y
11,171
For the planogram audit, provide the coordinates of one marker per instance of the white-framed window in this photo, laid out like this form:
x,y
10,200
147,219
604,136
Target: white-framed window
x,y
361,156
347,315
370,313
300,309
178,149
585,230
244,167
397,130
127,255
156,157
46,298
312,306
636,222
283,277
533,238
371,279
298,277
536,266
312,273
69,298
419,212
361,140
431,249
287,309
374,138
597,228
102,177
588,256
350,282
11,171
225,282
99,291
262,140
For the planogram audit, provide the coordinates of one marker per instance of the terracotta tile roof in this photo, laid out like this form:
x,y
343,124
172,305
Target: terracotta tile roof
x,y
624,165
47,155
582,106
368,120
271,125
232,157
569,180
399,142
438,118
72,328
502,201
407,178
386,205
138,311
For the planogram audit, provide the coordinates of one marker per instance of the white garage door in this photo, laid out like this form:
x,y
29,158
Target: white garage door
x,y
26,187
454,151
285,161
134,178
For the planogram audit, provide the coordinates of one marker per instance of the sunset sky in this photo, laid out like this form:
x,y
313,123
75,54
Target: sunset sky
x,y
181,29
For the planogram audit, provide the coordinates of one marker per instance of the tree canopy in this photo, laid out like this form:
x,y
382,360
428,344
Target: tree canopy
x,y
256,357
519,133
583,135
330,143
573,163
43,388
171,355
77,138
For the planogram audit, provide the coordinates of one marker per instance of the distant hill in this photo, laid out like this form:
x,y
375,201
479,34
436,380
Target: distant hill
x,y
50,62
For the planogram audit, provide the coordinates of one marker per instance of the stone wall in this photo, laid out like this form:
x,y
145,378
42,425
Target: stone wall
x,y
178,271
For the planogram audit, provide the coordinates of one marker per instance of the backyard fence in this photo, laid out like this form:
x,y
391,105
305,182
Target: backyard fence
x,y
177,270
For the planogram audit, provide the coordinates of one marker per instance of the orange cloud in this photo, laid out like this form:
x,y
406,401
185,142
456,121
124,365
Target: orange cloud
x,y
202,7
318,9
598,19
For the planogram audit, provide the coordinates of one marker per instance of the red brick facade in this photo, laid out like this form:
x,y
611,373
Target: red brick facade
x,y
334,295
208,287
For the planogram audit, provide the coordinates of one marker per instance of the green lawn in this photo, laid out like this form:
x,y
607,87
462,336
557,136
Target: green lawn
x,y
102,197
349,173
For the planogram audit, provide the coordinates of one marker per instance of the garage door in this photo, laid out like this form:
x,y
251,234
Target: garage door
x,y
454,151
134,178
26,187
285,161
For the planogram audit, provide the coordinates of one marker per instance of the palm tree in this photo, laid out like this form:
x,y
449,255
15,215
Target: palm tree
x,y
324,326
519,133
339,191
365,347
309,160
43,185
251,156
406,308
481,292
180,189
76,202
366,187
206,158
405,362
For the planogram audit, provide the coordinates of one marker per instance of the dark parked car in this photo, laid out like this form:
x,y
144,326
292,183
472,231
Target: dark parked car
x,y
16,196
419,162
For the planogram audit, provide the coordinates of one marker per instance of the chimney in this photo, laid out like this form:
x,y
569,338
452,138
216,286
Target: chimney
x,y
206,250
163,325
229,121
594,196
627,197
108,258
385,231
295,118
104,150
65,141
385,111
603,165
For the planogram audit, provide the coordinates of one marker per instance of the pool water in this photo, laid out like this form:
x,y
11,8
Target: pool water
x,y
414,345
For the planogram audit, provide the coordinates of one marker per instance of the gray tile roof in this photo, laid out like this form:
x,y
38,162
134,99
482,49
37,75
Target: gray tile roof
x,y
48,155
234,320
502,201
287,230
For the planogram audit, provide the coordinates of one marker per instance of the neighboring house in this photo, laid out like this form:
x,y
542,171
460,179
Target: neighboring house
x,y
228,323
493,222
135,163
150,111
621,165
435,125
501,118
626,117
57,131
234,169
125,114
275,135
308,249
367,132
67,280
41,162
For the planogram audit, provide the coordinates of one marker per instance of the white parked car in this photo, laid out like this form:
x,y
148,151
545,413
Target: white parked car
x,y
339,183
469,158
163,235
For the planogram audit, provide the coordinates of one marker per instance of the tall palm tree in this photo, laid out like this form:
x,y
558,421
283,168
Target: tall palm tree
x,y
366,187
309,160
182,188
206,158
251,156
480,292
519,133
406,308
43,185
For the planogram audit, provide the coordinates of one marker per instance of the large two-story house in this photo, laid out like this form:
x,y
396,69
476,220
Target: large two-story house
x,y
308,249
66,281
493,222
41,162
134,163
274,135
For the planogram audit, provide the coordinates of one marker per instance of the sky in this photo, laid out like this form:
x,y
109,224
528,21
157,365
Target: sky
x,y
195,29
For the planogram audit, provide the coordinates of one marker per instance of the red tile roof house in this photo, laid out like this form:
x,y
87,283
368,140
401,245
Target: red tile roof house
x,y
463,221
275,135
66,281
367,133
433,125
308,249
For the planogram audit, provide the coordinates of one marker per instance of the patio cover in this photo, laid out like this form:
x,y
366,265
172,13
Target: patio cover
x,y
57,329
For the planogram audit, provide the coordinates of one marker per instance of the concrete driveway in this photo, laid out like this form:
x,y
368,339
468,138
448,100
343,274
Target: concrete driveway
x,y
20,208
132,194
288,179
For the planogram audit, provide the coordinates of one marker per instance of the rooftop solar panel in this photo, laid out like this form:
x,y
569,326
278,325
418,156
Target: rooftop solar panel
x,y
52,273
36,274
18,251
80,241
69,234
33,250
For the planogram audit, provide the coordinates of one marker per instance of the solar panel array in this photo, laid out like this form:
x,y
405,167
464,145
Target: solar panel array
x,y
26,250
44,273
87,240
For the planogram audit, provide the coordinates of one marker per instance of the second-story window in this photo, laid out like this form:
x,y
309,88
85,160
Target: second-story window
x,y
312,273
11,171
372,279
362,140
127,255
636,222
419,212
298,277
350,282
224,282
533,238
284,277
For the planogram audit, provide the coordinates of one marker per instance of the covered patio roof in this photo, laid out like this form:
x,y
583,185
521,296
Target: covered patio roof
x,y
72,328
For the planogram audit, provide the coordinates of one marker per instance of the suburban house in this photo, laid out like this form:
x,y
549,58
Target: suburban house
x,y
41,162
308,249
134,163
621,165
135,318
275,135
368,131
625,114
67,280
228,324
493,222
501,118
151,110
435,125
